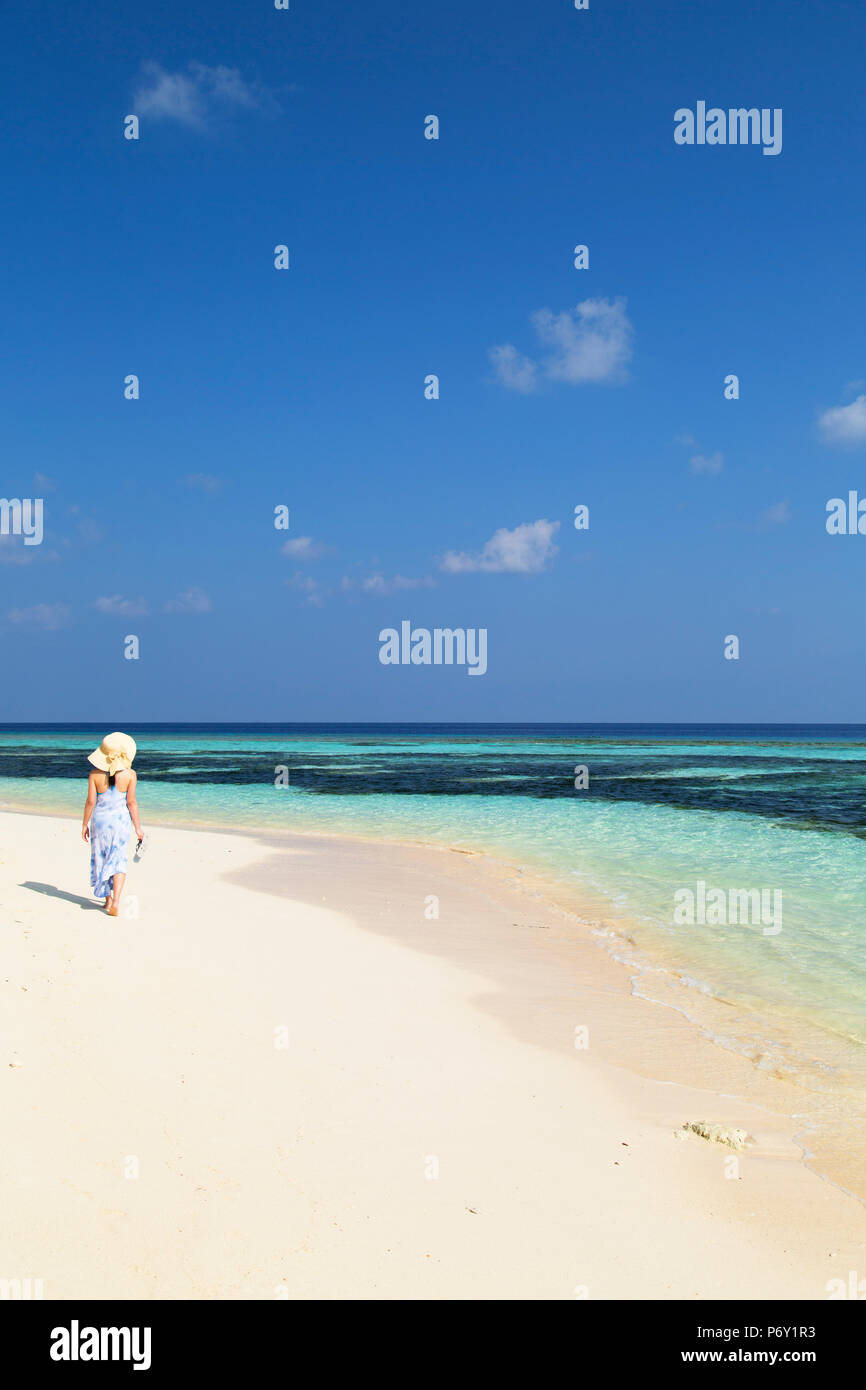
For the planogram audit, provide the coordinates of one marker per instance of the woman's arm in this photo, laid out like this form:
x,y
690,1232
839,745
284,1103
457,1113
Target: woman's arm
x,y
88,807
132,805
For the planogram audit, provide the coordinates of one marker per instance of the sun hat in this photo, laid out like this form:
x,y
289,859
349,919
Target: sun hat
x,y
114,754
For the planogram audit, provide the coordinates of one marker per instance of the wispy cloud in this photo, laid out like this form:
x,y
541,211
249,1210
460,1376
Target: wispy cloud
x,y
48,616
305,548
515,371
777,515
592,342
379,584
309,587
13,551
87,531
525,550
707,463
192,600
845,424
205,482
118,606
192,98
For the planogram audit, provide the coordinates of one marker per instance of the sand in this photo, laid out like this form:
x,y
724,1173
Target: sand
x,y
284,1077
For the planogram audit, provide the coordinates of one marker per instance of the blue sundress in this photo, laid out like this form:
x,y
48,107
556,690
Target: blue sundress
x,y
110,829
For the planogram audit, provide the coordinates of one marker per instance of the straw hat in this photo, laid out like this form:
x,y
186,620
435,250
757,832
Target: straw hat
x,y
114,754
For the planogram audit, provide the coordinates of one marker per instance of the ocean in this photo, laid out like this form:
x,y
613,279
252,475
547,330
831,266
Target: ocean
x,y
767,820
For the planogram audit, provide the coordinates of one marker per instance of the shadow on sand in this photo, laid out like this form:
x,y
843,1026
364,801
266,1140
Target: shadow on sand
x,y
52,892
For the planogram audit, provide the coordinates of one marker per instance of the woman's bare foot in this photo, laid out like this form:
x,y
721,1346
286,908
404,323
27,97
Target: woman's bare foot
x,y
111,908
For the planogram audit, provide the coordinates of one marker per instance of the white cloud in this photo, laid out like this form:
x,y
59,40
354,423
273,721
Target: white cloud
x,y
592,342
45,615
525,550
845,424
192,97
304,548
192,600
703,463
119,606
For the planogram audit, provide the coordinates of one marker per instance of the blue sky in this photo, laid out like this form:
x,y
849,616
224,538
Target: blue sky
x,y
409,257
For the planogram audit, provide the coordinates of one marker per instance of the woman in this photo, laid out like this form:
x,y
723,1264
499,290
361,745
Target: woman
x,y
112,805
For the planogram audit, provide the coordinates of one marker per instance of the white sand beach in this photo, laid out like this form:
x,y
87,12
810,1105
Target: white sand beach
x,y
280,1078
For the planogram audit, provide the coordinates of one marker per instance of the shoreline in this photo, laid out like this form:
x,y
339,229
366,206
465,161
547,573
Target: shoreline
x,y
452,1037
595,916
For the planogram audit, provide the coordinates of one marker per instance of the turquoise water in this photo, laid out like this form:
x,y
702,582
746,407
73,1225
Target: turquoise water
x,y
749,809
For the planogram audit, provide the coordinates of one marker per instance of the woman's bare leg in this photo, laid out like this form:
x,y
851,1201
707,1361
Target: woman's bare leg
x,y
117,889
